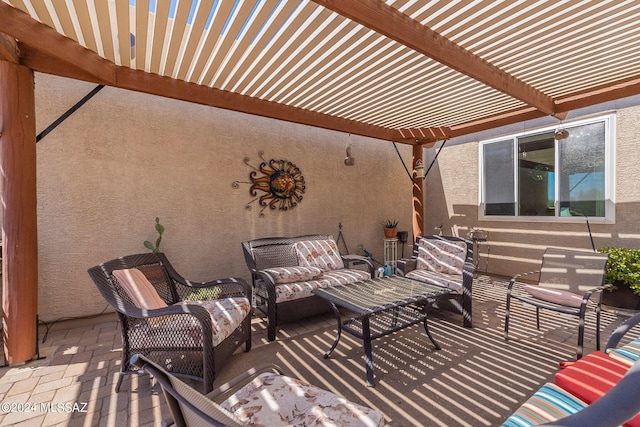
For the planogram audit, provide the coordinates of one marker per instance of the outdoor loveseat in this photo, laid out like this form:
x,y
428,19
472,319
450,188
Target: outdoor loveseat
x,y
445,261
286,270
190,328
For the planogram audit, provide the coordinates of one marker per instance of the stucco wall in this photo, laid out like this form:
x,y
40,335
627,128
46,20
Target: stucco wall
x,y
451,194
125,158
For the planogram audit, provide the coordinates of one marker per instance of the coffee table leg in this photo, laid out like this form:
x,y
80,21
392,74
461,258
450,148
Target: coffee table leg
x,y
368,360
426,329
339,319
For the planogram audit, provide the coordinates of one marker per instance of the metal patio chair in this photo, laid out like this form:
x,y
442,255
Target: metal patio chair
x,y
569,282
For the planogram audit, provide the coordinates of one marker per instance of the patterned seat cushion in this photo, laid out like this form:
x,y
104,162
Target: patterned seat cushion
x,y
453,282
549,403
275,400
293,274
226,315
628,353
293,291
441,256
323,254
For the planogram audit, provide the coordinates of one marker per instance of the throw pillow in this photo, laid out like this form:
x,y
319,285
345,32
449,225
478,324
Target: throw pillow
x,y
554,295
323,254
139,289
282,275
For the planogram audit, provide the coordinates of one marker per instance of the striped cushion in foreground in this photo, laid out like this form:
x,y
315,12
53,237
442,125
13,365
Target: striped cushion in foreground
x,y
549,403
627,354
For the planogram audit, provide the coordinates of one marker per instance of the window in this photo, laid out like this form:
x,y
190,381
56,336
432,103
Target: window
x,y
537,176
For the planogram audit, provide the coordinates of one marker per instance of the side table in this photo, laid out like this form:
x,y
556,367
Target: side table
x,y
391,253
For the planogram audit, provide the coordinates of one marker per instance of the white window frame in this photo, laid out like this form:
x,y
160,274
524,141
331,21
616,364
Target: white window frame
x,y
610,138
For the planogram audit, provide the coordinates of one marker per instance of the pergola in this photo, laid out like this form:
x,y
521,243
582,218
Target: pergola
x,y
407,71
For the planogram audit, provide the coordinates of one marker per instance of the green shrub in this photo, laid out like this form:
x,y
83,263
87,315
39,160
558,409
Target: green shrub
x,y
623,267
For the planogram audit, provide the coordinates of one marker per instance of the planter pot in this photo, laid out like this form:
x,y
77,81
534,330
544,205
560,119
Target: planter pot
x,y
390,233
622,297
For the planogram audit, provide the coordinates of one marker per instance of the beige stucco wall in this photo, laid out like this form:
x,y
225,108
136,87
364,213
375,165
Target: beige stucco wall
x,y
451,194
125,158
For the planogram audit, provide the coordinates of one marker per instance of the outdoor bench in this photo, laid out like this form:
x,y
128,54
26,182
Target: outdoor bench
x,y
600,389
444,261
286,270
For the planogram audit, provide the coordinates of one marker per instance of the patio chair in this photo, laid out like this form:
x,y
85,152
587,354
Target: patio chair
x,y
191,328
444,261
569,282
261,396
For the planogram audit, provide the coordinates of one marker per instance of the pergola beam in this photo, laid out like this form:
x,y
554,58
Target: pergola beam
x,y
45,50
9,49
19,213
22,27
386,20
140,81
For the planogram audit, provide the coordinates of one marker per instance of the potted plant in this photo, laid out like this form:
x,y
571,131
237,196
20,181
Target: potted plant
x,y
623,271
390,228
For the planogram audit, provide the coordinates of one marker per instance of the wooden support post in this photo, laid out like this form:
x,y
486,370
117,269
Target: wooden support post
x,y
19,216
418,195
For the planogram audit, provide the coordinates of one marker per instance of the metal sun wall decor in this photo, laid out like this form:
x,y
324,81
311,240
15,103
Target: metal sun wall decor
x,y
278,184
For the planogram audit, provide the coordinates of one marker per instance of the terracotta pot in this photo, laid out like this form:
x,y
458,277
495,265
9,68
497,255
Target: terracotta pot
x,y
390,233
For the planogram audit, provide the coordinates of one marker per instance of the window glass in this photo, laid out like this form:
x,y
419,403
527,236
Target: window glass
x,y
536,175
582,180
536,172
498,177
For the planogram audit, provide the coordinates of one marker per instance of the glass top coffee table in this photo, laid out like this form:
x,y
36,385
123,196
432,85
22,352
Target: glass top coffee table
x,y
380,307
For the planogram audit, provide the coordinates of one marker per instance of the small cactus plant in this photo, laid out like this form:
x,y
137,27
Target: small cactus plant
x,y
160,230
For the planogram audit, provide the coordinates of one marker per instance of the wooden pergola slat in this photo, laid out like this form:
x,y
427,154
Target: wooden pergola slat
x,y
394,24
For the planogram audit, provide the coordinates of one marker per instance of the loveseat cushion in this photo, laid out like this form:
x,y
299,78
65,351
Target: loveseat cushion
x,y
441,256
293,291
451,281
323,254
628,353
139,289
549,403
298,403
293,274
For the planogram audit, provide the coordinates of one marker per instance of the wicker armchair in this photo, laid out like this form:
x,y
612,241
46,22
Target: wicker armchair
x,y
182,335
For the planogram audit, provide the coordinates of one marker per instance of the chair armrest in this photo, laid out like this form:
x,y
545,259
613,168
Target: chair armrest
x,y
176,309
229,287
469,268
406,265
621,330
358,259
232,386
590,292
515,278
